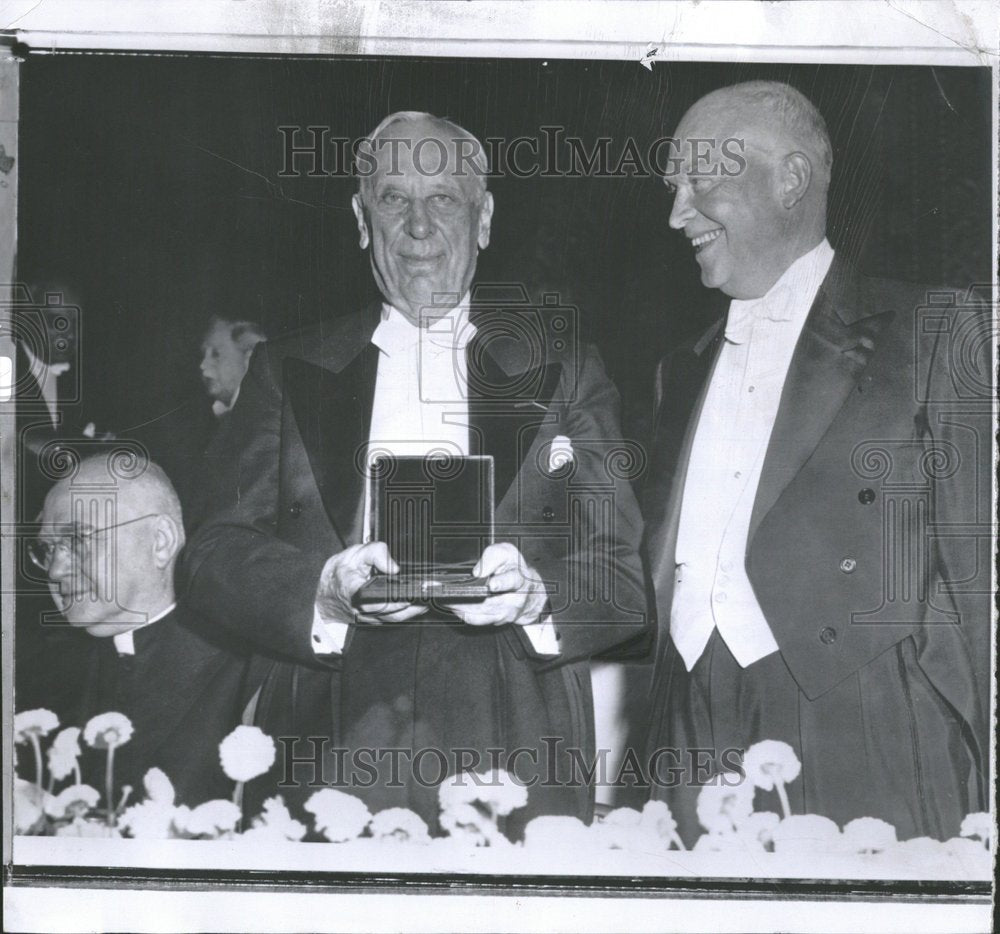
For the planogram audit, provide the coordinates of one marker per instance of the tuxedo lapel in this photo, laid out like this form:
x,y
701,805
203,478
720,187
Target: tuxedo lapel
x,y
507,406
834,348
681,398
332,404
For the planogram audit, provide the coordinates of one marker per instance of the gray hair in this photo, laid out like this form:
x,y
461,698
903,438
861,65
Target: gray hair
x,y
480,164
797,115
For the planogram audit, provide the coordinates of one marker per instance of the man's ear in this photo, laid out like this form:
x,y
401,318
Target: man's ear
x,y
359,212
796,176
168,538
485,220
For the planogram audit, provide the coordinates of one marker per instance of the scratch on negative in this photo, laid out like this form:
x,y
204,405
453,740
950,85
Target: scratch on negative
x,y
273,188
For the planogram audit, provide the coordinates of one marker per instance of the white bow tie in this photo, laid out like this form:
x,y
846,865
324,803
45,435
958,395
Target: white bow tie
x,y
744,314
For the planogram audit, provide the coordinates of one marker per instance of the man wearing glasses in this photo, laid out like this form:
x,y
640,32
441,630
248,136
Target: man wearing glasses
x,y
108,546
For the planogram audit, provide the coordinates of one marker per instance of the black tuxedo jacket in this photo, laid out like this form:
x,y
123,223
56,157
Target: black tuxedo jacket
x,y
289,493
871,523
183,694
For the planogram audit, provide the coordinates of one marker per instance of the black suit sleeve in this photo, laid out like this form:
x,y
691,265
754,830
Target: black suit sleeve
x,y
236,571
601,601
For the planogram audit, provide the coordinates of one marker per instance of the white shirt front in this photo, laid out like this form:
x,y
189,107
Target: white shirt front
x,y
421,406
711,587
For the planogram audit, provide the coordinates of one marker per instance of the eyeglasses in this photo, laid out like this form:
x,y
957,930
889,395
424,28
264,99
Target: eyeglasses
x,y
77,544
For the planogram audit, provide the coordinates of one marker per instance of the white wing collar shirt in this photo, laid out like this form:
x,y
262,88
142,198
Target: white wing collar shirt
x,y
421,406
711,588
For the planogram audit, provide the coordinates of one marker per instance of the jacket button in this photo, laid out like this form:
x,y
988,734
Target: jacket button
x,y
866,497
848,565
828,635
295,509
548,513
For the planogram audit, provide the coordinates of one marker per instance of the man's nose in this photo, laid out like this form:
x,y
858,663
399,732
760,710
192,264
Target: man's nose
x,y
683,210
60,564
204,364
418,221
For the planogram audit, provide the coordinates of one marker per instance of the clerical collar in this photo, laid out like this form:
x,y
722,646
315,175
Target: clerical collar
x,y
396,332
125,642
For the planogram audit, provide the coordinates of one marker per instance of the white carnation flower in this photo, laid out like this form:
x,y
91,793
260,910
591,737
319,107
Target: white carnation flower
x,y
501,792
806,834
28,802
723,805
246,753
623,817
967,850
656,818
467,823
868,835
151,820
919,848
39,722
72,802
978,824
401,825
158,787
339,816
64,753
211,819
275,822
769,761
759,827
108,730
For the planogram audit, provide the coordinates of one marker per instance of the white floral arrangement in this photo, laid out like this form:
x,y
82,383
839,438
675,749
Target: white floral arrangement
x,y
473,807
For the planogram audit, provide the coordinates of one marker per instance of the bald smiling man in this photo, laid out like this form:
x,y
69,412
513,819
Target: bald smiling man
x,y
791,604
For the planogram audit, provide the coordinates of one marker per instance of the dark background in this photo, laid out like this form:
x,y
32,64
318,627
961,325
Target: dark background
x,y
149,185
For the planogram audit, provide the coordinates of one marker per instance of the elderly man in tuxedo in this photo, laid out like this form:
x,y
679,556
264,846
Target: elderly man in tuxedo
x,y
108,544
792,440
425,691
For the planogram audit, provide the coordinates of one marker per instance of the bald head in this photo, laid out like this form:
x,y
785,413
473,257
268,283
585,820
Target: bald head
x,y
772,116
423,210
112,544
748,226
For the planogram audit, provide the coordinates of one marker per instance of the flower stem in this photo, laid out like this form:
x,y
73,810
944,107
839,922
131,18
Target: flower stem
x,y
77,777
238,801
38,759
779,786
109,784
675,838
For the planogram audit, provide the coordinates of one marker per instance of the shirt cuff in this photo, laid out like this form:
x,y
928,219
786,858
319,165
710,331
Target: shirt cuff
x,y
328,636
542,636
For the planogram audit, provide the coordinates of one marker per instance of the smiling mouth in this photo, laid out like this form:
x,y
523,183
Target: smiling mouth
x,y
702,240
421,262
